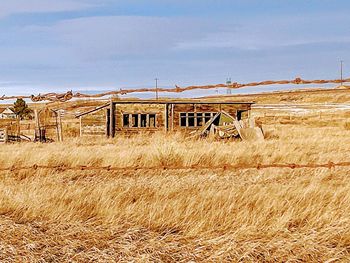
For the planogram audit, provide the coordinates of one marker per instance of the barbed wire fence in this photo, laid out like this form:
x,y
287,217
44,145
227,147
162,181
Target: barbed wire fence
x,y
228,167
63,97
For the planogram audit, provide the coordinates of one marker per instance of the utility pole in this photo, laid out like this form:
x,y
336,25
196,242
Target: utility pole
x,y
156,79
228,84
341,72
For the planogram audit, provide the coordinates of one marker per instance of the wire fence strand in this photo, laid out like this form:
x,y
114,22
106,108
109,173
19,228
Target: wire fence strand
x,y
292,166
63,97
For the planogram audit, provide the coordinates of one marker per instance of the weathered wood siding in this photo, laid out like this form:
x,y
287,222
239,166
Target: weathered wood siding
x,y
174,111
93,123
158,109
204,108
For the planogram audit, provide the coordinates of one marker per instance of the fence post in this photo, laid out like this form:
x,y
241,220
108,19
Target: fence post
x,y
18,127
81,126
6,135
112,119
60,136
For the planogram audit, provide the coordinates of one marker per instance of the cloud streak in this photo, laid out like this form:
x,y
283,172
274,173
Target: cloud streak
x,y
98,48
8,8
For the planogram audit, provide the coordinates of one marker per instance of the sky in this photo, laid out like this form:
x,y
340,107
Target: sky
x,y
50,45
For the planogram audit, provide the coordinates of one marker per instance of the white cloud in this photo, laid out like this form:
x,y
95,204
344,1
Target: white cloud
x,y
132,50
105,37
9,7
276,32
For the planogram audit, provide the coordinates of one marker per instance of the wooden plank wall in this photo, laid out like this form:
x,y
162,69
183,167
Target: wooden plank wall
x,y
174,111
3,135
204,108
93,123
121,109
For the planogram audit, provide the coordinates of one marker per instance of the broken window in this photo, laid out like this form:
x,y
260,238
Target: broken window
x,y
199,119
143,120
207,116
152,120
126,121
195,119
139,120
183,119
190,117
242,115
135,120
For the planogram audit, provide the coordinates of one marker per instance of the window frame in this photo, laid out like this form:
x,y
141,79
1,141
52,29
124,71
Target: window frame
x,y
185,115
139,120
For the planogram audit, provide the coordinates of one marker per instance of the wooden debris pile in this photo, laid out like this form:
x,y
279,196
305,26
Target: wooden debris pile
x,y
224,126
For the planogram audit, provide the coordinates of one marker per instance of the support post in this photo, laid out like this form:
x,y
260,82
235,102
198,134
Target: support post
x,y
108,123
130,121
166,116
147,120
18,127
112,120
37,125
6,135
60,135
81,126
36,116
172,116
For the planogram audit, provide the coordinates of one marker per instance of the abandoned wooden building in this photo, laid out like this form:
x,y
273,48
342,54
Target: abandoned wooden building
x,y
7,113
135,116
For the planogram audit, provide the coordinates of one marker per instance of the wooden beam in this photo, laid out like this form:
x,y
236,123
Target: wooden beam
x,y
81,126
172,116
60,135
139,120
36,117
91,111
18,126
119,101
166,116
6,135
112,120
107,123
147,120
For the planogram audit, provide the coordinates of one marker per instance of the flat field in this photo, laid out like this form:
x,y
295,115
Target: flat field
x,y
166,198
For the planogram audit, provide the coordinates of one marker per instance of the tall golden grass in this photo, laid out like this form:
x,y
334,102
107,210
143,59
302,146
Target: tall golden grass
x,y
178,215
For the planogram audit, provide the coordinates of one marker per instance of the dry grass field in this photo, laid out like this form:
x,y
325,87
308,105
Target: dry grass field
x,y
194,211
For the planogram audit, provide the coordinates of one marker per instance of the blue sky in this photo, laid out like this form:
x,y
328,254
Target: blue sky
x,y
50,45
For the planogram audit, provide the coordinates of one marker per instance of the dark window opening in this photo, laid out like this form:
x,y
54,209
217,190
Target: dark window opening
x,y
126,121
199,119
241,115
190,119
143,120
135,120
207,116
183,122
183,118
152,120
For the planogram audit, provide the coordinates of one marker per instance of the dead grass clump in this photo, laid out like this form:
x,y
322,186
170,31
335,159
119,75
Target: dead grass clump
x,y
347,125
